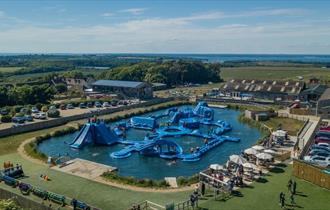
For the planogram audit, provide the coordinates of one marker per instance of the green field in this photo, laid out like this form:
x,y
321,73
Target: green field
x,y
9,69
274,72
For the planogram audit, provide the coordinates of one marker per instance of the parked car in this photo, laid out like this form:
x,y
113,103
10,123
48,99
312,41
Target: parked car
x,y
62,107
90,104
52,108
18,120
4,111
321,147
24,110
69,106
106,104
316,151
40,115
28,118
82,106
322,161
34,110
98,104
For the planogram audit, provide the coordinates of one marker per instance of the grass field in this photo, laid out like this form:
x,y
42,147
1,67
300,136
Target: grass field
x,y
265,195
290,125
275,72
9,69
100,195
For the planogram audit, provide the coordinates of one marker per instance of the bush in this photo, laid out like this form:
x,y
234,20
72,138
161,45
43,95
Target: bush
x,y
17,109
53,113
39,106
44,108
6,118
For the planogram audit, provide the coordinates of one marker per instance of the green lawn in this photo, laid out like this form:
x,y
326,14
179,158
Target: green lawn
x,y
100,195
274,72
10,144
265,196
288,124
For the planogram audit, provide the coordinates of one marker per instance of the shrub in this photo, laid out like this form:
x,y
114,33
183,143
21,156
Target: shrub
x,y
53,113
44,108
17,109
39,106
6,118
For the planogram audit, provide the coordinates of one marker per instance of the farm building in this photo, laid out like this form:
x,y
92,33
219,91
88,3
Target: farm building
x,y
266,89
132,89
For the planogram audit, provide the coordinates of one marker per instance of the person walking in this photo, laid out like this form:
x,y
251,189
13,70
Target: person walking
x,y
281,197
283,201
294,187
289,185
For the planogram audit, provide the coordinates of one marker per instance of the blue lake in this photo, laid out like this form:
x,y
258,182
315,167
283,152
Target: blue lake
x,y
153,167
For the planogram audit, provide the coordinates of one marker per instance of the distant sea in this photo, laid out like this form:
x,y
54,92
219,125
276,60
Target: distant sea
x,y
248,57
213,57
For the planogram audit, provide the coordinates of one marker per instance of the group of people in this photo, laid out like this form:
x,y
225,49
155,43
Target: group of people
x,y
292,187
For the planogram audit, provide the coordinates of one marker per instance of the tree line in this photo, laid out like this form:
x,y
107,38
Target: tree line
x,y
169,72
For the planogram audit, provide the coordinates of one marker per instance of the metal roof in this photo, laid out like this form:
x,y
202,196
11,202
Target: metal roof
x,y
325,95
117,83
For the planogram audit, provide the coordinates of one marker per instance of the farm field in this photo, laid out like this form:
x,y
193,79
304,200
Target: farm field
x,y
275,72
9,69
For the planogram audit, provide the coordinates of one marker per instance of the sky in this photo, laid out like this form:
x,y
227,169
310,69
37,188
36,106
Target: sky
x,y
155,26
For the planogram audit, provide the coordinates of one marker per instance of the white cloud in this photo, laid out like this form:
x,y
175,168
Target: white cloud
x,y
134,11
180,35
108,14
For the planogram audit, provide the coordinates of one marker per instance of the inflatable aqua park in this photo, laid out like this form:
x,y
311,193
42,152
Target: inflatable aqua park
x,y
161,142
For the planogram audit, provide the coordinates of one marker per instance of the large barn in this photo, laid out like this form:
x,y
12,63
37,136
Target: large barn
x,y
132,89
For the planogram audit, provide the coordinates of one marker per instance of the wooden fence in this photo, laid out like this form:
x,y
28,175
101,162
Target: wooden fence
x,y
311,173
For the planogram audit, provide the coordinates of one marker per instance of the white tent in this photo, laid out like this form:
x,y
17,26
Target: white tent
x,y
237,159
250,165
216,167
250,151
280,133
258,147
264,156
270,151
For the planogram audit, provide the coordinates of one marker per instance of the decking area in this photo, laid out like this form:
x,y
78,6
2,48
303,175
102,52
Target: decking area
x,y
84,168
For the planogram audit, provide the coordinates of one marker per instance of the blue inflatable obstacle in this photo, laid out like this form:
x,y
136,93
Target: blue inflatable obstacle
x,y
147,123
190,123
196,155
202,110
96,133
158,147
